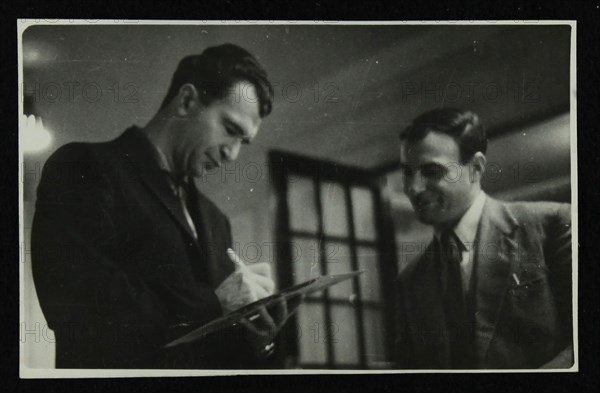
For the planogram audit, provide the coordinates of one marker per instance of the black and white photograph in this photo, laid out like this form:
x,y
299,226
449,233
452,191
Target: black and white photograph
x,y
291,197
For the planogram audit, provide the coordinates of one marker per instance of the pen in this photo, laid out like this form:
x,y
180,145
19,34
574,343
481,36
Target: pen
x,y
237,261
516,279
239,264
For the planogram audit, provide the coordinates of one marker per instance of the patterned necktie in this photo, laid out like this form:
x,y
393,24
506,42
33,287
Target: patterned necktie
x,y
457,322
185,190
189,203
192,212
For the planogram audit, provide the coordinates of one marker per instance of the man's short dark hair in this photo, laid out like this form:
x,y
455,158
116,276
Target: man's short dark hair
x,y
463,126
216,70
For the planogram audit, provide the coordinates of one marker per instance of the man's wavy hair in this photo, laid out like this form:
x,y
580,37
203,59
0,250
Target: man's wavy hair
x,y
216,70
463,126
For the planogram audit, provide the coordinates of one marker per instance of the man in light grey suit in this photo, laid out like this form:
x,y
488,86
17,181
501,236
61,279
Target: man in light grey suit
x,y
493,289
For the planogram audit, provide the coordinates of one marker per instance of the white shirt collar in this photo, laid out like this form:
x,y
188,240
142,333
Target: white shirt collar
x,y
162,159
466,229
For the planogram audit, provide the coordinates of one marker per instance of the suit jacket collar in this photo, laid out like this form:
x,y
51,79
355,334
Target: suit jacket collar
x,y
466,229
140,152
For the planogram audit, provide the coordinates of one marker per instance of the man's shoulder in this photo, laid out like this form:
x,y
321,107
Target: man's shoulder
x,y
90,154
528,212
88,151
82,163
534,207
78,152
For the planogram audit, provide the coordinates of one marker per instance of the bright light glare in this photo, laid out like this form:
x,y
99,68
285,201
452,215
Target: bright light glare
x,y
34,136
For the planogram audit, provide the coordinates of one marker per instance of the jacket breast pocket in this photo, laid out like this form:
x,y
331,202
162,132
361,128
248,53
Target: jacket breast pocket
x,y
525,287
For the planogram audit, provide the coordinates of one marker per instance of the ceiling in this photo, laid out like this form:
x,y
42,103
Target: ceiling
x,y
342,92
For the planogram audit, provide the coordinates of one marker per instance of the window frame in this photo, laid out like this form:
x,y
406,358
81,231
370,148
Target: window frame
x,y
284,165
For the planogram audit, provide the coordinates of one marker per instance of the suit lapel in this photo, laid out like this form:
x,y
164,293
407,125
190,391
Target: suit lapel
x,y
496,248
210,245
214,236
139,151
202,217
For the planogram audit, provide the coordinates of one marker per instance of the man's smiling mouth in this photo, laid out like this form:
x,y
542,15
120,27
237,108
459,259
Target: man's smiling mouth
x,y
212,163
422,205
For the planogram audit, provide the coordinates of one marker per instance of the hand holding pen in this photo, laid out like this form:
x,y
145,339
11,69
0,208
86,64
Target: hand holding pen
x,y
247,284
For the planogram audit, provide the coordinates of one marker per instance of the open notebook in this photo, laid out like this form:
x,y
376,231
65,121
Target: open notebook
x,y
251,310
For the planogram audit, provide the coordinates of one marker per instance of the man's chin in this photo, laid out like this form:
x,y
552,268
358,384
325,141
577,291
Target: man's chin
x,y
427,216
425,219
204,169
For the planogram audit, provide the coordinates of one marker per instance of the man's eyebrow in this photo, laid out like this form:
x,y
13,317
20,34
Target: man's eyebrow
x,y
408,165
432,164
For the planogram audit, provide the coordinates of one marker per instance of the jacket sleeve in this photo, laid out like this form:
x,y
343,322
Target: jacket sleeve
x,y
78,267
559,261
403,352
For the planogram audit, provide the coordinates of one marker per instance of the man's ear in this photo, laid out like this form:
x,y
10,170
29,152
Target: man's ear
x,y
188,100
477,167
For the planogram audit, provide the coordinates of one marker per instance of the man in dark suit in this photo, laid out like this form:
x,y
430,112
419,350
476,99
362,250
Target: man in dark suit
x,y
493,289
127,254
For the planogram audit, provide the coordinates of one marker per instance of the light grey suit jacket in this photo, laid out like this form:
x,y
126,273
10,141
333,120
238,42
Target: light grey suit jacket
x,y
521,294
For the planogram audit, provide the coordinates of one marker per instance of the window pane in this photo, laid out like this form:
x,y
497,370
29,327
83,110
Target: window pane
x,y
374,337
363,211
333,201
370,282
339,262
305,261
311,334
344,335
301,204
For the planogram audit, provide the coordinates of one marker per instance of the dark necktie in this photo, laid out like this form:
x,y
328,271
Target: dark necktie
x,y
456,312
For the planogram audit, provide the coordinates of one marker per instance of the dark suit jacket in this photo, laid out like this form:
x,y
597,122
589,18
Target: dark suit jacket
x,y
116,268
519,323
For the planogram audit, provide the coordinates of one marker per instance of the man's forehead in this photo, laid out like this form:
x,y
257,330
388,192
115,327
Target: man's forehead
x,y
242,92
434,148
242,108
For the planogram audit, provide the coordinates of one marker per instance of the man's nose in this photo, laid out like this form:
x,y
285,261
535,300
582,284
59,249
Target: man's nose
x,y
230,151
415,185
